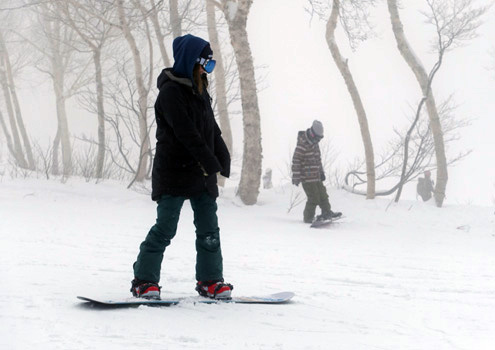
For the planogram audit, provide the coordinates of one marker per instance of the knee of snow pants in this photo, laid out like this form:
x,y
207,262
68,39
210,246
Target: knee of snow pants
x,y
209,264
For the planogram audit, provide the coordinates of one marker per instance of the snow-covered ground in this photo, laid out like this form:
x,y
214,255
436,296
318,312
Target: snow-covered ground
x,y
406,276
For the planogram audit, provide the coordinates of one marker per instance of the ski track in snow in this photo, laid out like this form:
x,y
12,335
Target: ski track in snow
x,y
406,276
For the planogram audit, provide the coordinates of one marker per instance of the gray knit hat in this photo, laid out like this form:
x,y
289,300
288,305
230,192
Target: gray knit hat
x,y
317,128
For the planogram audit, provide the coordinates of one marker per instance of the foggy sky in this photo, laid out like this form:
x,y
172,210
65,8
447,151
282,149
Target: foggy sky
x,y
301,83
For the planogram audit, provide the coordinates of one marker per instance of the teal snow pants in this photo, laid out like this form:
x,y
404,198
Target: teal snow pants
x,y
209,265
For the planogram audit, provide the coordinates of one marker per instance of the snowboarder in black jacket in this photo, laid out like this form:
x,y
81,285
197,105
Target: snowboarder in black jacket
x,y
190,152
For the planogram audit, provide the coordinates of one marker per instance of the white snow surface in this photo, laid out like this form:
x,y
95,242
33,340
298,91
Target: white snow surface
x,y
389,276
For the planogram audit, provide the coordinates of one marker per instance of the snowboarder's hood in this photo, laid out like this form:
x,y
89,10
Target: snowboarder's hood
x,y
302,136
187,49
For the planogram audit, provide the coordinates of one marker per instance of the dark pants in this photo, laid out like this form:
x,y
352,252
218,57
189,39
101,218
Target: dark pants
x,y
209,264
317,196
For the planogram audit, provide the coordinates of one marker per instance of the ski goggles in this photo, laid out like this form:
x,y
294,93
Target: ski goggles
x,y
207,63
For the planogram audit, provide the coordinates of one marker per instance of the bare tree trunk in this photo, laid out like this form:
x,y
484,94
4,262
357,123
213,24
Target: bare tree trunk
x,y
17,108
236,15
175,19
58,58
422,78
142,92
220,85
100,159
56,144
94,37
58,71
17,147
63,125
159,34
10,145
356,98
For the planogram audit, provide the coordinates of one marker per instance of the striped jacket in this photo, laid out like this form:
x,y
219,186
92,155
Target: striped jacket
x,y
306,162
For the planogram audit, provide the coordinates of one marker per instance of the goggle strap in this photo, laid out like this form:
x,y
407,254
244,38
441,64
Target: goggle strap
x,y
201,61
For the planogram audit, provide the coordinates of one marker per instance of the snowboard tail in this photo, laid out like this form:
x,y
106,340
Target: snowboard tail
x,y
277,298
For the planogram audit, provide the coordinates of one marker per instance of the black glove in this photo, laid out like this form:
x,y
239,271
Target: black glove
x,y
296,182
322,176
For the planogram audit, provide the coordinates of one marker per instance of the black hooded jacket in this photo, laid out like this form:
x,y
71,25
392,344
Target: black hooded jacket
x,y
189,149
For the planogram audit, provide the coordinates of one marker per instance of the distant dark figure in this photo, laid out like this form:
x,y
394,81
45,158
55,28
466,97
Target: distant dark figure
x,y
267,179
425,186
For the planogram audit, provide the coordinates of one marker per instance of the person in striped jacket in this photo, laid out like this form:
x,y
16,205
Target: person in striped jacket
x,y
308,170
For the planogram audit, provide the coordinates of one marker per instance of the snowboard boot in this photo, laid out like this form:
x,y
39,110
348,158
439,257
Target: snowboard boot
x,y
329,216
146,290
214,289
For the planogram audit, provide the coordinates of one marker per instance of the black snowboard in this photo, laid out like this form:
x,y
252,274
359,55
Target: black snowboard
x,y
277,298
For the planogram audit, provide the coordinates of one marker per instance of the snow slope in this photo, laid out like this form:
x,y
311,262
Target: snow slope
x,y
406,276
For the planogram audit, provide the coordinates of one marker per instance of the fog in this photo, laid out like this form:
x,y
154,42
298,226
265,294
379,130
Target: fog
x,y
299,82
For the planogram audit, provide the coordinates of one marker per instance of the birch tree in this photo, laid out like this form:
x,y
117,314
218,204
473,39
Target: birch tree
x,y
175,18
236,14
53,40
352,11
127,16
178,18
220,79
454,21
8,138
160,36
143,90
16,148
94,33
417,142
23,153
